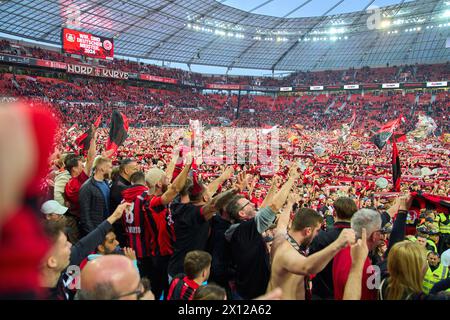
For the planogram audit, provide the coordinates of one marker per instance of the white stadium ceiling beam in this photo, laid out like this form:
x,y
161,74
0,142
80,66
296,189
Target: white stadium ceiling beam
x,y
150,12
242,53
324,18
197,54
170,36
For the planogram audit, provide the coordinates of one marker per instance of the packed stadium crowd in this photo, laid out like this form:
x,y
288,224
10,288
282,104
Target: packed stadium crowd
x,y
91,97
406,73
116,191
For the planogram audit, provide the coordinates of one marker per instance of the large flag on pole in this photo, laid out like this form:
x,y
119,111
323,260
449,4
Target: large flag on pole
x,y
84,141
385,133
118,131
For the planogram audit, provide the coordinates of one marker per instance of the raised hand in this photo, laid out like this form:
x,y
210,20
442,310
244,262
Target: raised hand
x,y
241,182
117,214
405,202
228,173
347,237
359,250
129,253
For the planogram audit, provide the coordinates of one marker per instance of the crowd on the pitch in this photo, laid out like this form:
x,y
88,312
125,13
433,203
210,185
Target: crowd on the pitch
x,y
309,225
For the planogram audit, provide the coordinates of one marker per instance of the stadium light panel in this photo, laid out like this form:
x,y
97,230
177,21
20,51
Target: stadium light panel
x,y
385,24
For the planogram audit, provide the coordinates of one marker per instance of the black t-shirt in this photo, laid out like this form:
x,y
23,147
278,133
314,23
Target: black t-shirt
x,y
191,233
219,249
323,281
251,259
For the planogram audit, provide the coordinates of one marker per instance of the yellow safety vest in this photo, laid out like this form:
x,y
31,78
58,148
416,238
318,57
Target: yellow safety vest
x,y
433,277
444,224
432,244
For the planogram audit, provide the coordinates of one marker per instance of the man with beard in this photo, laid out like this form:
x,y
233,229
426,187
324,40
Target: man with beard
x,y
95,196
291,266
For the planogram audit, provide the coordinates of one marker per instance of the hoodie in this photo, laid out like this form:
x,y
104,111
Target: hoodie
x,y
249,253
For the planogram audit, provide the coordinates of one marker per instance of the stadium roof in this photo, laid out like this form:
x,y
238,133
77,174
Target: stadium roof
x,y
211,33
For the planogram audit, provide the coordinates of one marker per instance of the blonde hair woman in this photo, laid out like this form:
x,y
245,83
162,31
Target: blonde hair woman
x,y
407,265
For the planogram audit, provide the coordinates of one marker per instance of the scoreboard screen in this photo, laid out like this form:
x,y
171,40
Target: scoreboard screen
x,y
87,44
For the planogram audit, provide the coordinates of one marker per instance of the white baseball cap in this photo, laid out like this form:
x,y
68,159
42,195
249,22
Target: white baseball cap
x,y
53,207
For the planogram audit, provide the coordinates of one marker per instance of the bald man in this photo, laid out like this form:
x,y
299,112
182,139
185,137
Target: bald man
x,y
112,277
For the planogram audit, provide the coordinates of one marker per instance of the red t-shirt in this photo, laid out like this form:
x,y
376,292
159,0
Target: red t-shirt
x,y
342,264
72,191
162,218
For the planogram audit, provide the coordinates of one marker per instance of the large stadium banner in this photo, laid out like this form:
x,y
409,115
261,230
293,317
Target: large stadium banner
x,y
96,72
87,44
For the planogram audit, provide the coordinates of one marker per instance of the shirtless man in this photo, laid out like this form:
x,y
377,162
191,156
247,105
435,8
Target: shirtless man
x,y
292,266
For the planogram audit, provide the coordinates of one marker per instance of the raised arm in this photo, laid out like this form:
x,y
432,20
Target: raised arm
x,y
88,243
213,186
252,187
172,163
283,220
316,262
281,196
272,191
359,252
394,208
399,227
177,184
91,152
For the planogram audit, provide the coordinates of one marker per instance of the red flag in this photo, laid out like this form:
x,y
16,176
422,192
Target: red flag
x,y
118,131
84,141
391,125
430,201
385,133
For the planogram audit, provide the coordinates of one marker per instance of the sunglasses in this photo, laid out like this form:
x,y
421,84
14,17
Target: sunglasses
x,y
244,206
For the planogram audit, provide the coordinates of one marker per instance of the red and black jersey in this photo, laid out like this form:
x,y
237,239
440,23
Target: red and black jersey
x,y
138,224
161,218
182,288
